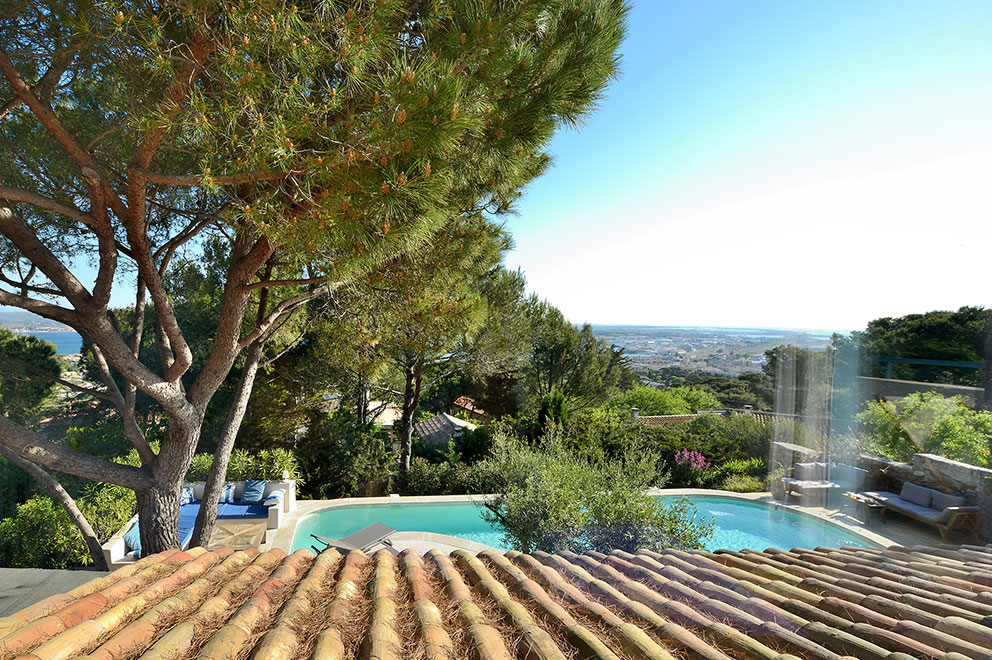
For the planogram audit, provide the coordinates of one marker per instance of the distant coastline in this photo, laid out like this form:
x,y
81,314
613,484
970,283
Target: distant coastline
x,y
66,342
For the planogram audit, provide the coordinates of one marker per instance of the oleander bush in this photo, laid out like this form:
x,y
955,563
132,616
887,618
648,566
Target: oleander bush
x,y
267,464
41,535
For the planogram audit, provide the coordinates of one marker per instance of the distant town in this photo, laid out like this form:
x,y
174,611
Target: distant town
x,y
28,323
729,351
726,351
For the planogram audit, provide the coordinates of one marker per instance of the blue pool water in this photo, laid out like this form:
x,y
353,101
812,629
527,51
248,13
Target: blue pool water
x,y
461,520
744,524
737,524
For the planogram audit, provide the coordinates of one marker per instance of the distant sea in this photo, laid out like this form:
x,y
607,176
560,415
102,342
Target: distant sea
x,y
66,342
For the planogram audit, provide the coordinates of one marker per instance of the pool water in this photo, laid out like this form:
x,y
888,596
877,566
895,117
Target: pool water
x,y
461,520
745,524
737,524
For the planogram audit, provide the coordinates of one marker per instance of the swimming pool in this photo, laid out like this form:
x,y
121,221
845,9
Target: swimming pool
x,y
738,524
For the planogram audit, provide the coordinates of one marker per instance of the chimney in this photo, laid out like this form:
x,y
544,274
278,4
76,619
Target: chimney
x,y
747,409
634,413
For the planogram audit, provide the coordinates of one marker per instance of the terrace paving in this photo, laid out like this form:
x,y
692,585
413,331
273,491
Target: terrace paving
x,y
20,587
821,604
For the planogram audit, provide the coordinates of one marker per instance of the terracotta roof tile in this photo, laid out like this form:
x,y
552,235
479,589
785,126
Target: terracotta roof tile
x,y
820,603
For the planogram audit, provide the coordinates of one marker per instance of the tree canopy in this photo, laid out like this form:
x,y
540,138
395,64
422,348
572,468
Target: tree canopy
x,y
27,374
317,140
939,335
571,361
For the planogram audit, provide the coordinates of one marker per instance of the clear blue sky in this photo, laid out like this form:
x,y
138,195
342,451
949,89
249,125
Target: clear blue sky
x,y
777,164
790,164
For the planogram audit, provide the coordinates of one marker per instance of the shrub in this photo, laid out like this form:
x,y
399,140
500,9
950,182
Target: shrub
x,y
41,535
548,498
554,411
341,457
689,469
746,466
928,422
199,468
267,464
743,483
671,401
107,507
447,478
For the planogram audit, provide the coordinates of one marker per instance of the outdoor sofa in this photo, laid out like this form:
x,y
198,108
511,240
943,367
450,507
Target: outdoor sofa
x,y
945,512
277,500
813,483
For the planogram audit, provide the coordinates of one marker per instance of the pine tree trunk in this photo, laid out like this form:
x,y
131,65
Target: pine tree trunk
x,y
207,517
60,495
158,507
158,516
411,400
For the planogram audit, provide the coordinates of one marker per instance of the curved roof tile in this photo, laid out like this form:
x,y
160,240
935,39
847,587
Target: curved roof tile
x,y
819,604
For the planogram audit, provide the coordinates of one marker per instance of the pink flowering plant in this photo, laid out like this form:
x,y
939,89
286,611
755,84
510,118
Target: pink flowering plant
x,y
692,459
691,469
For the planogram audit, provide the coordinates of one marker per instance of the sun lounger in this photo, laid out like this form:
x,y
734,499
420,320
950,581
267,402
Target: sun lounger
x,y
364,539
943,511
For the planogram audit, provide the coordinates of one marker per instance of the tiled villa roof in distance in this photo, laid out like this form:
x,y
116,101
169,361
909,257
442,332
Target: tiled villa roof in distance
x,y
663,420
440,428
822,604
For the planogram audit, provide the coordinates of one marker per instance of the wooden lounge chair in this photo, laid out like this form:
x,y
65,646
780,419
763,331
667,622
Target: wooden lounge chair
x,y
364,539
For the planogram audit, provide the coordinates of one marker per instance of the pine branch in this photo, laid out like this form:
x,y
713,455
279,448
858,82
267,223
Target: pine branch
x,y
55,379
42,202
201,179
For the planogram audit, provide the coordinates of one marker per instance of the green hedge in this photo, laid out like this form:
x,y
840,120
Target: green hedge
x,y
267,464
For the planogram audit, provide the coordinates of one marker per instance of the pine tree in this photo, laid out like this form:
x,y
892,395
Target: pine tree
x,y
319,139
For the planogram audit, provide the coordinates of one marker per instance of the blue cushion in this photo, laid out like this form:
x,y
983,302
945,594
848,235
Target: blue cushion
x,y
254,490
257,511
186,532
187,521
236,511
132,538
188,513
916,494
228,511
